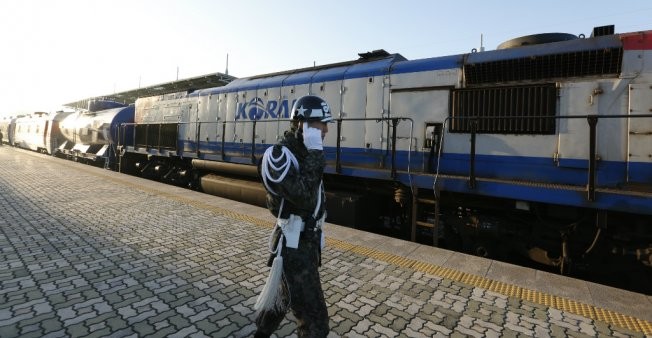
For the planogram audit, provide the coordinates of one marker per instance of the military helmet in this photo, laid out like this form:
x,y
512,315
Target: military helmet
x,y
311,108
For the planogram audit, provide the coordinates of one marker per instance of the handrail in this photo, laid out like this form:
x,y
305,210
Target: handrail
x,y
338,165
253,143
592,120
253,133
474,129
196,137
395,121
223,139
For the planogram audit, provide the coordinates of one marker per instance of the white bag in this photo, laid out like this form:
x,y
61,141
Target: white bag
x,y
291,228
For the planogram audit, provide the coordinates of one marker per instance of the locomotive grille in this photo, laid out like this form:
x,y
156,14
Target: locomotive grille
x,y
543,67
156,135
141,135
505,110
169,136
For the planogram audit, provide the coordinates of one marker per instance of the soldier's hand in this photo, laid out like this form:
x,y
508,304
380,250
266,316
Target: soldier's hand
x,y
312,138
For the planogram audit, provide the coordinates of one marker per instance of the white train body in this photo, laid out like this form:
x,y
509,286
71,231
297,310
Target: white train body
x,y
38,131
554,152
530,148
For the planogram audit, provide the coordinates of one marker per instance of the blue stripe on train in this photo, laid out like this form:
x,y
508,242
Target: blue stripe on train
x,y
607,200
535,169
377,164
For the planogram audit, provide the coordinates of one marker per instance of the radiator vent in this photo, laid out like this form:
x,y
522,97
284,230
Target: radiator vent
x,y
161,136
546,67
505,110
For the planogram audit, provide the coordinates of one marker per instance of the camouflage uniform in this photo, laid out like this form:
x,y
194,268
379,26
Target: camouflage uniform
x,y
300,266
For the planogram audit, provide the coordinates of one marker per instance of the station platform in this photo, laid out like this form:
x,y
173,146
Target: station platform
x,y
86,252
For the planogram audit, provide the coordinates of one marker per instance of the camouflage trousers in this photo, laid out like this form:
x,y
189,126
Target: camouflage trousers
x,y
303,293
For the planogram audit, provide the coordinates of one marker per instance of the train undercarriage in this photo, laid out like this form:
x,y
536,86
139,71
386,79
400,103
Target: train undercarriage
x,y
606,247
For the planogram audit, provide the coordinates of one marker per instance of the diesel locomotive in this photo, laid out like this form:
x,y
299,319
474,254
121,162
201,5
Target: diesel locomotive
x,y
541,148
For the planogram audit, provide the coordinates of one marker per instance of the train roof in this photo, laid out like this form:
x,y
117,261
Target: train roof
x,y
42,116
397,64
561,47
369,64
435,63
548,54
380,62
189,84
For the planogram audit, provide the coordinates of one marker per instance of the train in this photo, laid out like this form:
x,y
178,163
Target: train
x,y
86,135
38,131
91,134
540,149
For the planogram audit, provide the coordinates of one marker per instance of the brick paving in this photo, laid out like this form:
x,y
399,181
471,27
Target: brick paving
x,y
86,256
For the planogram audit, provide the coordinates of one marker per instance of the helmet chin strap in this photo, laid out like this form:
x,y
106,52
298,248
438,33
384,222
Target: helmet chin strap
x,y
299,132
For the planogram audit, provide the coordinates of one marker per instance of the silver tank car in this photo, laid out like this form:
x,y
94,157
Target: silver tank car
x,y
91,136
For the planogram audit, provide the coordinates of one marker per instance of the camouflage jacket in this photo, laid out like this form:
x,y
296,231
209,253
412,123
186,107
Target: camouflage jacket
x,y
299,188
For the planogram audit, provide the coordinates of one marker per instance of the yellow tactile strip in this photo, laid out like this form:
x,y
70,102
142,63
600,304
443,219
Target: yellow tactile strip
x,y
567,305
534,296
571,306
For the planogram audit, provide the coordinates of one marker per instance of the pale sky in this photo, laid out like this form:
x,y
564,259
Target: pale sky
x,y
53,52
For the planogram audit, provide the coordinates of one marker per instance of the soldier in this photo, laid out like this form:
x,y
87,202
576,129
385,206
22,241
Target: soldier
x,y
292,174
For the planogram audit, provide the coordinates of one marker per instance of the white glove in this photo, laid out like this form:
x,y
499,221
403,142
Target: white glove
x,y
312,138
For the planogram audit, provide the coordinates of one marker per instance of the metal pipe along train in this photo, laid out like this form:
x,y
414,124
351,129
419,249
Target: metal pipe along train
x,y
541,149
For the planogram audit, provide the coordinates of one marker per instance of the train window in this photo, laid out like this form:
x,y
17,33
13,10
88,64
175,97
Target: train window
x,y
504,110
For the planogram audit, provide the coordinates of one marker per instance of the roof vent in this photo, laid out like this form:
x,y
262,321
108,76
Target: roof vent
x,y
603,30
376,54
